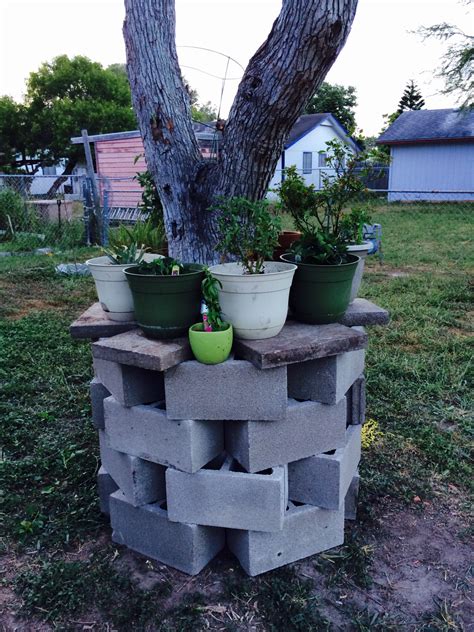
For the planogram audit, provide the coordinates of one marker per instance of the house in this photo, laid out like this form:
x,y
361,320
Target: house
x,y
119,156
432,155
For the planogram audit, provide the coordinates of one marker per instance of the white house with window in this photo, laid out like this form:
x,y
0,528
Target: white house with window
x,y
306,147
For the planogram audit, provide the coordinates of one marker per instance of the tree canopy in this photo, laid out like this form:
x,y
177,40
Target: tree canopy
x,y
337,100
411,98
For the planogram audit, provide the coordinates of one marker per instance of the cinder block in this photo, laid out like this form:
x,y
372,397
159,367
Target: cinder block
x,y
147,432
323,480
232,390
307,530
309,428
350,501
355,398
223,495
142,482
147,530
130,385
106,486
98,393
327,379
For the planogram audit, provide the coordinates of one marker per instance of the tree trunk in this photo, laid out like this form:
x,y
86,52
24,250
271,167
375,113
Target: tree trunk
x,y
280,78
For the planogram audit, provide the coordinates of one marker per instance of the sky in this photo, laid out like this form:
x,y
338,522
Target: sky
x,y
379,58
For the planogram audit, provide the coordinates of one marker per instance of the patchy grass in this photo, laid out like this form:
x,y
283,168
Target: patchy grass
x,y
62,571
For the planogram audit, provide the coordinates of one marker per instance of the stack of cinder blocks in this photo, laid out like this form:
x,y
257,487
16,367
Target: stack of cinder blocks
x,y
259,453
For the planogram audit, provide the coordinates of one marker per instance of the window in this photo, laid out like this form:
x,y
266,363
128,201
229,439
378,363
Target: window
x,y
307,162
322,157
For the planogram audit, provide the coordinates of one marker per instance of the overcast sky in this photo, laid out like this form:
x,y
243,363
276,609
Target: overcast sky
x,y
379,58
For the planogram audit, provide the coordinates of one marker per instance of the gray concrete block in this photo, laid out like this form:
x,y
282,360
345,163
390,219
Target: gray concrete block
x,y
147,432
147,530
363,312
130,385
98,393
234,389
142,482
228,497
350,501
325,380
106,486
323,480
307,530
355,398
309,428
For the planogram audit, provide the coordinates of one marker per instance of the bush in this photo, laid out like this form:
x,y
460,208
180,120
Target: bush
x,y
12,211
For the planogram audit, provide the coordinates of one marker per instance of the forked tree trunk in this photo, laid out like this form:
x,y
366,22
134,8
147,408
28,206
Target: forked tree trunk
x,y
280,78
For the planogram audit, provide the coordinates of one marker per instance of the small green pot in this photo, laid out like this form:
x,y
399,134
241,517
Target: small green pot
x,y
320,294
211,347
166,306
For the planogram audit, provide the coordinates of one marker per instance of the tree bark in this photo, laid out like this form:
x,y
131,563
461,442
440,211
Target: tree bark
x,y
280,78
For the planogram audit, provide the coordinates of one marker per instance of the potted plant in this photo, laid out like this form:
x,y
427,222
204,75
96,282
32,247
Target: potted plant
x,y
286,238
211,340
254,290
352,227
322,287
166,296
108,274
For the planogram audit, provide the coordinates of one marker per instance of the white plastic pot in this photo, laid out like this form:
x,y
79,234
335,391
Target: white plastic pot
x,y
361,251
255,304
112,286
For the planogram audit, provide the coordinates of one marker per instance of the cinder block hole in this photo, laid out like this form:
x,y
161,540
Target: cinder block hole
x,y
296,503
164,505
279,553
216,463
300,400
161,405
266,472
330,452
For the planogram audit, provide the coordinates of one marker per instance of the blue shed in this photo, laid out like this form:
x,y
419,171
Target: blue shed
x,y
432,155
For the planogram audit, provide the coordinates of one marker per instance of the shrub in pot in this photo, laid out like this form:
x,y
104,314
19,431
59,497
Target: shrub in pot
x,y
352,227
254,290
166,296
211,340
321,290
110,282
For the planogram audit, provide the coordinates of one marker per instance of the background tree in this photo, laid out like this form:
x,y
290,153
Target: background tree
x,y
336,99
13,143
457,63
280,78
411,99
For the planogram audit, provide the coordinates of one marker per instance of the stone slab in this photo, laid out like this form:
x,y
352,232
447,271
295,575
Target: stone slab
x,y
307,530
106,486
98,393
309,428
147,530
234,389
299,342
130,385
323,480
228,497
142,482
325,380
350,501
146,432
133,348
94,324
363,312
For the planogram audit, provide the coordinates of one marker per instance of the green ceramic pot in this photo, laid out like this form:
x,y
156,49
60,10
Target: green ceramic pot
x,y
211,347
166,306
321,293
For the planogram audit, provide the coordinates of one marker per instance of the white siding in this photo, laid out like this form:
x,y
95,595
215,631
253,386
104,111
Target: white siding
x,y
431,167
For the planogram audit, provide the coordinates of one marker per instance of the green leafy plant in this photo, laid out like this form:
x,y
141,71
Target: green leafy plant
x,y
318,214
160,267
150,204
126,253
210,293
248,232
352,225
152,236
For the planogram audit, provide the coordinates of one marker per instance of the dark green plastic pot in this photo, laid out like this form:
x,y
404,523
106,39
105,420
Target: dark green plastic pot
x,y
320,294
166,306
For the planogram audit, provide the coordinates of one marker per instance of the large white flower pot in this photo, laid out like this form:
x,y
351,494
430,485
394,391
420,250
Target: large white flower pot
x,y
112,286
361,251
255,304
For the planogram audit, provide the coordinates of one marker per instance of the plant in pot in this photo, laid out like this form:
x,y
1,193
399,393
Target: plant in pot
x,y
352,228
322,287
166,296
211,340
254,290
108,273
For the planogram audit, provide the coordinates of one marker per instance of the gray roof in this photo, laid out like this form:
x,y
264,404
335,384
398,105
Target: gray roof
x,y
430,126
307,122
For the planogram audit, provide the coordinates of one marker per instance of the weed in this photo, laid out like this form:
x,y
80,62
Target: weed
x,y
350,562
442,619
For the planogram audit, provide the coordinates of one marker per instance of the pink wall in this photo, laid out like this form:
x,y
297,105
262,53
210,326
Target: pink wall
x,y
116,169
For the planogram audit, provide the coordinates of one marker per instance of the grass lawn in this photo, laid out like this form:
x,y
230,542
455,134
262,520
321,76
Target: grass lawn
x,y
405,564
